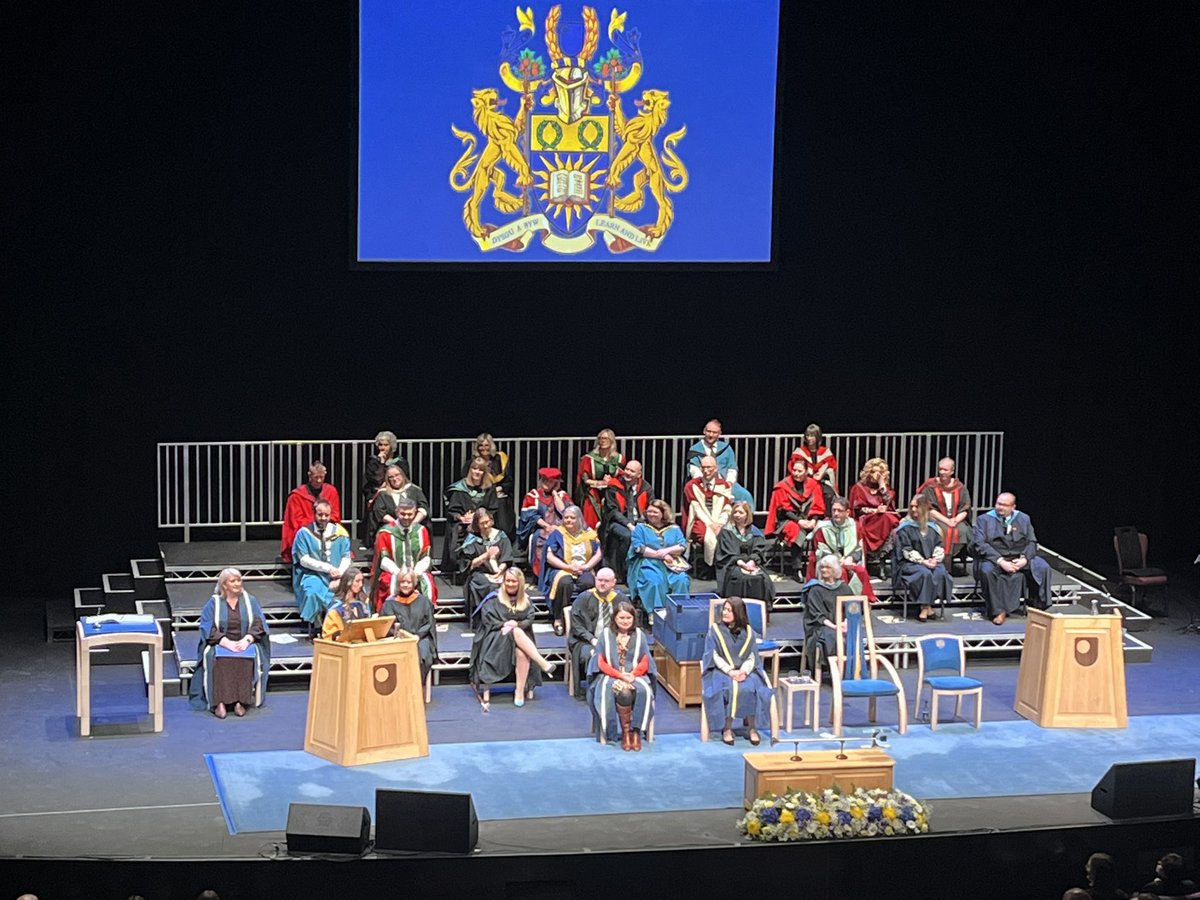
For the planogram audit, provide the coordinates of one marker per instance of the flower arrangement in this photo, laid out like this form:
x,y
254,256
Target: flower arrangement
x,y
800,816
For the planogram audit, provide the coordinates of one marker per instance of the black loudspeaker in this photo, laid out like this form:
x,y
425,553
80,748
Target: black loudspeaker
x,y
425,820
1134,790
320,828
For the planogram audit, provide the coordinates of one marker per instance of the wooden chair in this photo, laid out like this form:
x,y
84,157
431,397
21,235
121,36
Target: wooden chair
x,y
854,672
942,664
756,612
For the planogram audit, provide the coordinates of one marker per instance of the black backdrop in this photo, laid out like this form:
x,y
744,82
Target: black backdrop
x,y
988,220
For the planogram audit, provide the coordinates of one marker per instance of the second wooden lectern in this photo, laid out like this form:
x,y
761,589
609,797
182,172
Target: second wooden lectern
x,y
1072,670
365,703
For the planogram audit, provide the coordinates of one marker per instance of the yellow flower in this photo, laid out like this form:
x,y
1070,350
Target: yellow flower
x,y
753,826
823,817
856,812
787,816
889,813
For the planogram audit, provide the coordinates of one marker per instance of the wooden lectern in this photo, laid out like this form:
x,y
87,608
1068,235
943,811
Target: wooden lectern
x,y
365,703
1072,670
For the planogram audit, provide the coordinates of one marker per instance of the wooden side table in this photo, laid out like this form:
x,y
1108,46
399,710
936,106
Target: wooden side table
x,y
811,693
88,637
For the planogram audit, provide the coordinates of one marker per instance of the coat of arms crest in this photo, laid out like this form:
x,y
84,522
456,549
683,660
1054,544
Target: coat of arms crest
x,y
570,147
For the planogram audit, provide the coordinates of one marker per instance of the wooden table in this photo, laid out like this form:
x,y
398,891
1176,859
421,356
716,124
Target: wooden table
x,y
811,690
109,636
777,773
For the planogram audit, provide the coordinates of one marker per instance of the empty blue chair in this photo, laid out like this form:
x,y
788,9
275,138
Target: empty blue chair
x,y
854,672
942,664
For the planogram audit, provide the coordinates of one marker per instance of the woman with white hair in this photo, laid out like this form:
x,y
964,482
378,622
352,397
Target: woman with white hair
x,y
820,610
234,653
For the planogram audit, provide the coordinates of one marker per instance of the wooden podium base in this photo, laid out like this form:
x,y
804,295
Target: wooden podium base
x,y
778,773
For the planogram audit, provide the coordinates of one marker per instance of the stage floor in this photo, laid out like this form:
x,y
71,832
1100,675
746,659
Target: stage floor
x,y
126,792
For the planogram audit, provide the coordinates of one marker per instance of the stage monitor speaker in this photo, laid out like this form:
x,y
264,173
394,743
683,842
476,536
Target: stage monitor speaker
x,y
425,820
1133,790
321,828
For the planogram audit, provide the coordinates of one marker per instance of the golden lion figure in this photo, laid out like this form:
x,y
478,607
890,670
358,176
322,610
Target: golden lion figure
x,y
501,134
637,143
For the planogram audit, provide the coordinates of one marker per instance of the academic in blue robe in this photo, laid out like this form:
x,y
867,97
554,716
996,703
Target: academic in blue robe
x,y
214,625
601,696
649,579
723,697
726,460
311,586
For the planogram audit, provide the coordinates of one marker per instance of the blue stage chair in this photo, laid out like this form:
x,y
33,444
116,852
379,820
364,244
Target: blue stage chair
x,y
942,664
854,672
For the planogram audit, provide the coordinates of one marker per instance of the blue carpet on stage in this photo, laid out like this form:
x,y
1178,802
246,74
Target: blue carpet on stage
x,y
577,776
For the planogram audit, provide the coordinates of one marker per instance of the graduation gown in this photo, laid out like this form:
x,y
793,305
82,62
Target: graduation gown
x,y
820,603
375,477
842,542
950,502
414,614
505,517
924,585
789,504
746,547
548,508
384,503
624,506
494,655
595,467
586,623
706,509
560,585
649,579
723,697
214,624
310,582
822,464
460,499
396,548
995,539
601,694
874,529
727,466
298,512
478,584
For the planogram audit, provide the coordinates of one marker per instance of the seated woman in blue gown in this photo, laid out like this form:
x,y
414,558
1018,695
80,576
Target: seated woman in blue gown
x,y
503,645
621,677
234,652
732,680
657,558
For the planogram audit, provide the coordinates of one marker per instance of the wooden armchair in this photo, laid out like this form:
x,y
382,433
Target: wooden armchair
x,y
854,671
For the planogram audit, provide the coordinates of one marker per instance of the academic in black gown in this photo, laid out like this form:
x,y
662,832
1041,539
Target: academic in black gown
x,y
744,546
461,498
414,614
493,654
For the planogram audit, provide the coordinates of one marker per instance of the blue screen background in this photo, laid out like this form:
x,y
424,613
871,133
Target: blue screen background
x,y
419,63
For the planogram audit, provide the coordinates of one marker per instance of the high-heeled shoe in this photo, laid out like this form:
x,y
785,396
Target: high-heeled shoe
x,y
549,670
755,740
219,710
239,710
727,736
518,701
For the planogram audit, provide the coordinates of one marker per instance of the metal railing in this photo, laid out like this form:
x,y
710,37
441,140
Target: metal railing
x,y
244,484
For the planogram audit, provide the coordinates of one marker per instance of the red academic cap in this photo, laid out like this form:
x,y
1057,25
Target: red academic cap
x,y
549,473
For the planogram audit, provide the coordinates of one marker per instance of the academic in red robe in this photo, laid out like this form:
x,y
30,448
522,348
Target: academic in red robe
x,y
874,528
